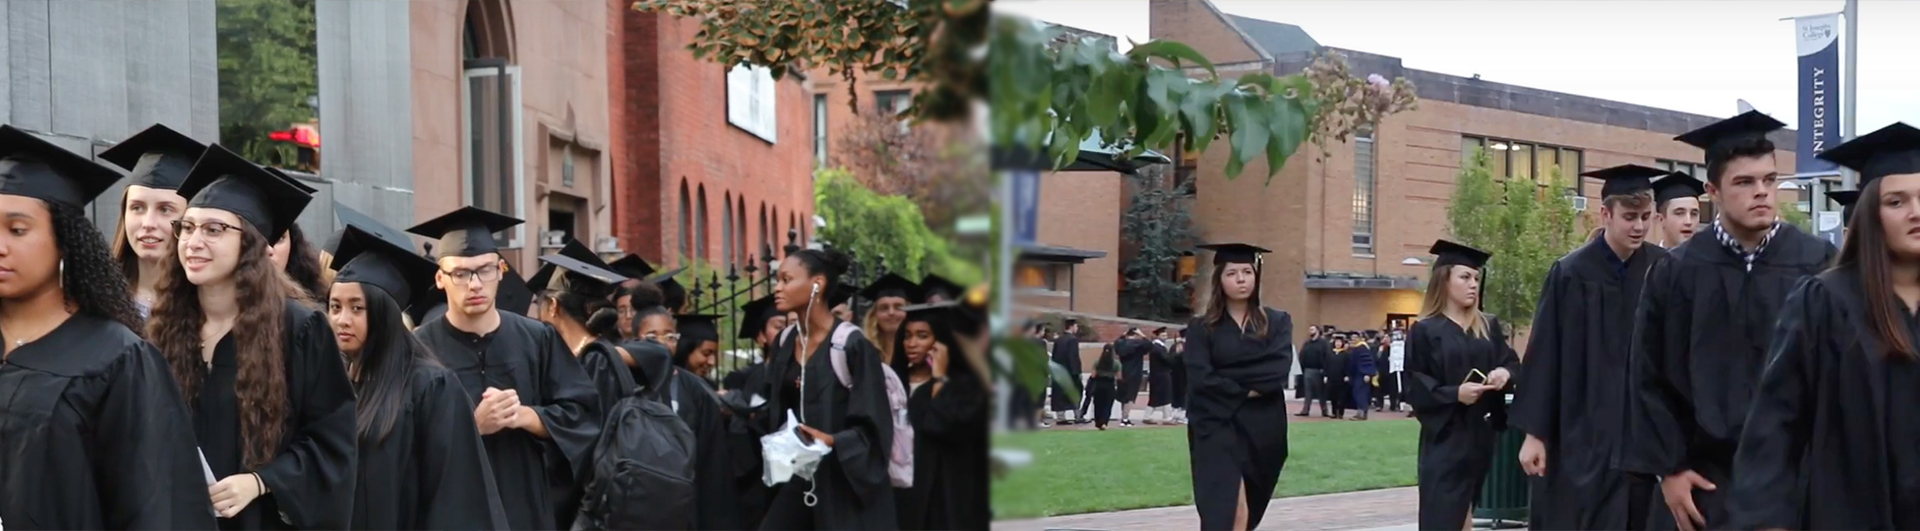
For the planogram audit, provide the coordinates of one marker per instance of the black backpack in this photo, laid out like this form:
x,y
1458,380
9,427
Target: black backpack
x,y
642,475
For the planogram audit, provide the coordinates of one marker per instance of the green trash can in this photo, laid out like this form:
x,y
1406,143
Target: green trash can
x,y
1504,497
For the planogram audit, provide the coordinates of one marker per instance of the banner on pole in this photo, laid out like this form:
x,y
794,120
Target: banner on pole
x,y
1818,76
1026,206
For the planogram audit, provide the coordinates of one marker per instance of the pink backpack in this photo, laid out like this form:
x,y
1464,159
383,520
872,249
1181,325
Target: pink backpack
x,y
900,459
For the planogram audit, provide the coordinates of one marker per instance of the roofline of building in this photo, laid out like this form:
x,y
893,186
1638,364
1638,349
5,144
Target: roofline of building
x,y
1244,37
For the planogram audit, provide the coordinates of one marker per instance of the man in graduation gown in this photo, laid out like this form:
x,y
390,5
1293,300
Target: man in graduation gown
x,y
1066,352
1705,318
1572,395
1133,351
1676,212
537,411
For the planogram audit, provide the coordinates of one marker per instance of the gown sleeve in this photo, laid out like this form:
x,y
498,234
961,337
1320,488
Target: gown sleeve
x,y
1660,416
957,415
148,472
1767,492
456,481
312,480
715,500
569,404
1279,343
864,441
1428,389
1537,394
1200,365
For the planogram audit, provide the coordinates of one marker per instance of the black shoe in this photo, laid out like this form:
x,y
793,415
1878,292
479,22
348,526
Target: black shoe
x,y
1300,414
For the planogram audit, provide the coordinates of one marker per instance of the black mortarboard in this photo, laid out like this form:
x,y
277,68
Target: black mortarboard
x,y
891,285
700,327
353,218
31,167
1449,253
633,266
1625,179
158,157
223,180
1846,198
541,277
1235,253
754,316
1890,150
1675,186
935,285
585,277
297,183
840,293
465,232
514,295
397,270
432,304
672,293
1718,139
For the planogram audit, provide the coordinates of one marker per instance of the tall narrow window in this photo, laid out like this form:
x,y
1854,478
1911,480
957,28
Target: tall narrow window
x,y
686,220
740,228
492,145
726,229
1363,168
820,130
700,226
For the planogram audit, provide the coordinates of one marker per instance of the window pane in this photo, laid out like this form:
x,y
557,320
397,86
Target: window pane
x,y
1498,150
1570,166
1523,162
1544,160
1363,182
1468,145
820,129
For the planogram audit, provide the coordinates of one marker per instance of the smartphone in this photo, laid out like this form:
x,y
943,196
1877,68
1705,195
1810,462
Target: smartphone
x,y
1475,376
804,437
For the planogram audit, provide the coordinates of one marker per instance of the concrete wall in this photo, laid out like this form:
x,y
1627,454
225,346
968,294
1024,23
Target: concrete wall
x,y
366,113
87,74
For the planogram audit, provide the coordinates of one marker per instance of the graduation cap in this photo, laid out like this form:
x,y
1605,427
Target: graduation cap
x,y
1846,199
1890,150
541,277
672,293
1235,253
1625,179
32,167
891,285
302,185
370,259
840,293
1449,253
1677,185
353,218
754,316
514,295
465,232
938,286
698,326
633,266
223,180
158,157
1719,137
584,277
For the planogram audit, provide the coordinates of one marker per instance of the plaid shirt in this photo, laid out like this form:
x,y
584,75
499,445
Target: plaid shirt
x,y
1734,244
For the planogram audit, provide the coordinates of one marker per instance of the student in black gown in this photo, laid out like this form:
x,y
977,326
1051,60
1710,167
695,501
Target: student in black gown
x,y
156,160
1458,365
1829,442
1181,390
421,463
1339,392
272,406
716,497
1100,385
537,410
762,324
1133,351
1159,379
1705,321
579,291
1676,211
1572,398
1066,353
85,395
850,488
882,322
948,405
1240,355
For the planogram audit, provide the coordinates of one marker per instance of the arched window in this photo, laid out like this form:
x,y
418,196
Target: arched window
x,y
766,238
686,220
726,230
700,227
740,225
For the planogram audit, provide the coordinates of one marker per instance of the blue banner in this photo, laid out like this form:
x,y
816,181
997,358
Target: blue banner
x,y
1818,76
1026,206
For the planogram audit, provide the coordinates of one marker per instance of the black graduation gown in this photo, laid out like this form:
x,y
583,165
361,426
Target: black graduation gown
x,y
1233,438
1160,379
1572,387
431,471
1336,371
312,476
533,474
949,457
1456,440
743,440
1133,370
716,502
1702,334
1180,388
851,483
90,435
1832,440
612,379
1066,352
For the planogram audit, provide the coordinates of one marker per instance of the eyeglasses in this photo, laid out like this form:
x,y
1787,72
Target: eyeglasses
x,y
670,338
485,274
213,230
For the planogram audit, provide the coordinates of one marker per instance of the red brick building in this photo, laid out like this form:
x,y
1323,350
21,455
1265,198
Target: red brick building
x,y
706,165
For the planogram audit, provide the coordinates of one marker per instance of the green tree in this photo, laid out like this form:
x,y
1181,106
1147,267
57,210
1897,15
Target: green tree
x,y
1790,213
873,226
267,57
1159,222
1526,228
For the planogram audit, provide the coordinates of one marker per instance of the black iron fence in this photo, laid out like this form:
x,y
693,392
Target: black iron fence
x,y
724,290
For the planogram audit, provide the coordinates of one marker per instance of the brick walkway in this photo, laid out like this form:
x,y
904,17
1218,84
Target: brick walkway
x,y
1371,510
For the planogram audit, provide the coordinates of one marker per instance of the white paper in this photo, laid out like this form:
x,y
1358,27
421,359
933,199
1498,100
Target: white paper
x,y
756,401
210,479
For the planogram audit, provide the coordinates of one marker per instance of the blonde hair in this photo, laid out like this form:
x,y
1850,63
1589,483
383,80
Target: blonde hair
x,y
881,339
1436,300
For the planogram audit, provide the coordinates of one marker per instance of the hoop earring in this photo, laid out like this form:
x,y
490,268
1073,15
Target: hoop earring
x,y
63,273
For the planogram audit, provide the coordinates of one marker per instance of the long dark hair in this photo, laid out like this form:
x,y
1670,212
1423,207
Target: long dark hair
x,y
385,366
684,349
1864,251
1217,303
89,278
942,332
303,265
261,291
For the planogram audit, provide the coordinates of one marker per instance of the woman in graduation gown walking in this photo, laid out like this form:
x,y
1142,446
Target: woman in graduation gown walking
x,y
1239,358
948,405
421,463
271,403
850,490
90,432
1830,440
1457,364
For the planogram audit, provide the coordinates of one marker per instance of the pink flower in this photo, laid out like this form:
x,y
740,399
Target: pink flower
x,y
1378,81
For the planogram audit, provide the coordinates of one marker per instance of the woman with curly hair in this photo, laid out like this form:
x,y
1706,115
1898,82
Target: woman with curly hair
x,y
948,405
156,160
272,406
85,393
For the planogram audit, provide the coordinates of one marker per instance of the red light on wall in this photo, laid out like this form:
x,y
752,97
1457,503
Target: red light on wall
x,y
303,135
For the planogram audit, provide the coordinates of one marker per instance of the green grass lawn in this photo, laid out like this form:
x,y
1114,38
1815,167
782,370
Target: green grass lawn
x,y
1077,471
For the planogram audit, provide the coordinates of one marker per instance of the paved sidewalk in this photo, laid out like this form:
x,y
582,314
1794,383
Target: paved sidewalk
x,y
1385,509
